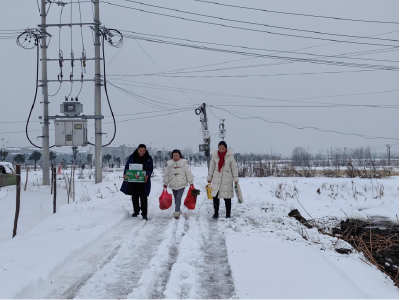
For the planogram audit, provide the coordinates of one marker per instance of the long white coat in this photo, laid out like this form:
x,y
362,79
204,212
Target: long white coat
x,y
222,182
177,175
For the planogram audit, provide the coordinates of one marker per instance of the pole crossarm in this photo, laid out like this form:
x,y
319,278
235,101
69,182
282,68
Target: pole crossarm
x,y
69,59
67,24
73,117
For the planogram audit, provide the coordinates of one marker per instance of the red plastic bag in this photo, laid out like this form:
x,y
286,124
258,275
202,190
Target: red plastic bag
x,y
165,200
190,201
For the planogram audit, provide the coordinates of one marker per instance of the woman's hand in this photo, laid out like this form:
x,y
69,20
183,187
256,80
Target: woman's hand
x,y
146,178
125,177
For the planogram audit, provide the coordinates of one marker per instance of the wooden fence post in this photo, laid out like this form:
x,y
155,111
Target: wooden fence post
x,y
26,182
54,190
18,199
52,179
73,186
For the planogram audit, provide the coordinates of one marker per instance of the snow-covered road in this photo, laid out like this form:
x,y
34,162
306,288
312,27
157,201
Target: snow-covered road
x,y
95,249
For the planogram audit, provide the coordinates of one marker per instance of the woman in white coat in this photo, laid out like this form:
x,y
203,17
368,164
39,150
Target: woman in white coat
x,y
222,173
177,176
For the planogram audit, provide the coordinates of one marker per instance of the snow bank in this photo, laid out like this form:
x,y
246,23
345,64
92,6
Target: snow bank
x,y
30,258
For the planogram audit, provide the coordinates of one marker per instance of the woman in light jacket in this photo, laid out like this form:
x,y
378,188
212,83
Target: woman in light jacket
x,y
222,173
177,176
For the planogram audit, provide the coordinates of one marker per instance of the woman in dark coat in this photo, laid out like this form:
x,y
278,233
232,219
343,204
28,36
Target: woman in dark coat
x,y
135,189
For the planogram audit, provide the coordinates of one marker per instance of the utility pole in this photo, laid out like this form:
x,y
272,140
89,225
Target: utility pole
x,y
222,131
205,128
97,96
388,152
45,103
202,112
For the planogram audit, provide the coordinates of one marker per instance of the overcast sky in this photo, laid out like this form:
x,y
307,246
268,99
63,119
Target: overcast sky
x,y
180,130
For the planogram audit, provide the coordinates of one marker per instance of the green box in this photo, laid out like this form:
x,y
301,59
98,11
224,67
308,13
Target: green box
x,y
135,175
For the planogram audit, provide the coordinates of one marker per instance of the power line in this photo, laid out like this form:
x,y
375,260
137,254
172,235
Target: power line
x,y
309,47
80,17
163,72
277,51
297,14
308,106
294,100
243,67
116,115
298,59
301,126
260,24
156,116
258,49
242,28
138,95
121,121
249,75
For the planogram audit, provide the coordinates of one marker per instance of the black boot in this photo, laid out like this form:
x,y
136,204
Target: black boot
x,y
228,206
135,214
216,207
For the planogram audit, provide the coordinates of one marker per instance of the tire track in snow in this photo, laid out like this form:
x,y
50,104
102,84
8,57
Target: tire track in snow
x,y
216,275
154,279
182,283
121,274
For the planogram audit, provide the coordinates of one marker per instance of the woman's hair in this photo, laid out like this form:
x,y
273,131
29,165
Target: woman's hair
x,y
223,144
176,151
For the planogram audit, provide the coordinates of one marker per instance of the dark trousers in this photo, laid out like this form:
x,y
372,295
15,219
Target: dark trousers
x,y
228,206
139,193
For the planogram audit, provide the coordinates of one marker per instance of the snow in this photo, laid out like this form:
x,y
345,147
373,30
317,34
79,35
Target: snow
x,y
93,248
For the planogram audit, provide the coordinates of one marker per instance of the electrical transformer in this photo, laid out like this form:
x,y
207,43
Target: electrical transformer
x,y
71,108
71,132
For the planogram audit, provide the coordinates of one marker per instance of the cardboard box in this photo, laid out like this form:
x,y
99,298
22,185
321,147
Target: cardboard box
x,y
135,175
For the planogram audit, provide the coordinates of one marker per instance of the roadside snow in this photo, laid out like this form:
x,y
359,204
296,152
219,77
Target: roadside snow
x,y
93,248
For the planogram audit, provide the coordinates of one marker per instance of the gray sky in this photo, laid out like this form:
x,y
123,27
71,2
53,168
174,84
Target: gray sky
x,y
183,129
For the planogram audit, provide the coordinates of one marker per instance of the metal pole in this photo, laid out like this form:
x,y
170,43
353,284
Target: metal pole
x,y
207,153
97,96
45,93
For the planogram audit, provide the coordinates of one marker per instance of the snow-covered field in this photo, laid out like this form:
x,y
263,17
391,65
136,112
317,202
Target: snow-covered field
x,y
93,248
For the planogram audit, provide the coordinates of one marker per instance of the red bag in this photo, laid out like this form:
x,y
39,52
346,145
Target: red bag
x,y
165,200
190,201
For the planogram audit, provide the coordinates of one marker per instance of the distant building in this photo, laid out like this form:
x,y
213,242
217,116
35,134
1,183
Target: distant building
x,y
122,151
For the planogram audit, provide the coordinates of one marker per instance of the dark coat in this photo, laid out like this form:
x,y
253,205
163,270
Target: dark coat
x,y
128,187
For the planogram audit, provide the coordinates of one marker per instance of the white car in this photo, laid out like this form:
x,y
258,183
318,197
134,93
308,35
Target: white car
x,y
8,167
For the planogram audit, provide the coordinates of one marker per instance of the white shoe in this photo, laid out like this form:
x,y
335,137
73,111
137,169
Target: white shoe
x,y
176,214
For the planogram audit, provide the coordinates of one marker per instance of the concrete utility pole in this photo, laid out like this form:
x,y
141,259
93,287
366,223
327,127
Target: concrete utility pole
x,y
45,103
97,96
388,152
205,127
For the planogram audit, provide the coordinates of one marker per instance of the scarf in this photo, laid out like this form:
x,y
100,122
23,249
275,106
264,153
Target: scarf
x,y
221,160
